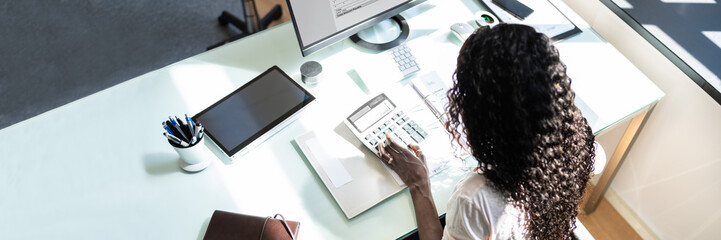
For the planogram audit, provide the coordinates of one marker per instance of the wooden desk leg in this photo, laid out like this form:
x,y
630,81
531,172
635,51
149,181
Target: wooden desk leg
x,y
616,160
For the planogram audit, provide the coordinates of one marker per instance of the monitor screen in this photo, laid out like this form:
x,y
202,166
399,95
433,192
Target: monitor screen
x,y
254,109
319,23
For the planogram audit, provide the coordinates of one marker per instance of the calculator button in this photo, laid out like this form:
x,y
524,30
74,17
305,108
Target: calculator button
x,y
423,134
369,137
388,131
405,138
416,137
409,132
400,139
373,142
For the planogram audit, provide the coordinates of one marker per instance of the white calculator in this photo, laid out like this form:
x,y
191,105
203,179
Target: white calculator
x,y
372,120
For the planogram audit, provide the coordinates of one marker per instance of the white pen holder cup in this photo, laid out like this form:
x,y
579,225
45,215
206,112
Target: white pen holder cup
x,y
193,158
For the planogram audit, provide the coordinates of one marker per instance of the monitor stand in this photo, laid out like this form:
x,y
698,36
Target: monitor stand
x,y
384,35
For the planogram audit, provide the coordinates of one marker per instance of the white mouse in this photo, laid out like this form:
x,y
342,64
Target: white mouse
x,y
462,30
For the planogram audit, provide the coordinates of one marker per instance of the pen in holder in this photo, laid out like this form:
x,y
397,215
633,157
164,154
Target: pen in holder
x,y
187,140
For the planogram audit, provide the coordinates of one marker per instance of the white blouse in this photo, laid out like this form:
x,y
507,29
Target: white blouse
x,y
478,211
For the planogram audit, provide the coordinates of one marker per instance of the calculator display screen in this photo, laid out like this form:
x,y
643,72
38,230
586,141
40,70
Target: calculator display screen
x,y
371,112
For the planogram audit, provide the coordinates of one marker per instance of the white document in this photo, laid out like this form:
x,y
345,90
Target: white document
x,y
328,150
431,88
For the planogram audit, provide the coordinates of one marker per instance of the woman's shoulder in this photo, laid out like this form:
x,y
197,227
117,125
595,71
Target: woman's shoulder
x,y
476,186
475,191
477,209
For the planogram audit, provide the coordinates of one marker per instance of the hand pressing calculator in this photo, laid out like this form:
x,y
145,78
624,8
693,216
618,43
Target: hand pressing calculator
x,y
372,120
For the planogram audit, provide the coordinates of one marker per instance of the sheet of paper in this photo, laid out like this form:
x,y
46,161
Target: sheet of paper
x,y
428,83
329,150
433,90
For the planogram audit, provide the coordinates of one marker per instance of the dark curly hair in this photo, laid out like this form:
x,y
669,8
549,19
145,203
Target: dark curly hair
x,y
512,106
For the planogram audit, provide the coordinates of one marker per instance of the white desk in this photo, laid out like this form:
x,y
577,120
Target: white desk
x,y
98,168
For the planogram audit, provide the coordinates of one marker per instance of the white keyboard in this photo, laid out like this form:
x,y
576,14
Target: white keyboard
x,y
403,56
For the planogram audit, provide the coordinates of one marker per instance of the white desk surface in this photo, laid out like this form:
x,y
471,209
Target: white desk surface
x,y
99,168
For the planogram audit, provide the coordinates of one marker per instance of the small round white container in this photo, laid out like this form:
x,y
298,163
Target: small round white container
x,y
194,158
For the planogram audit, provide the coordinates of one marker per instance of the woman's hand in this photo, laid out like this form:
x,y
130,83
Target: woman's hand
x,y
410,166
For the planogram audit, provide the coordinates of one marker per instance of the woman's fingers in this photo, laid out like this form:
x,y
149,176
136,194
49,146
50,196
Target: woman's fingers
x,y
388,147
383,155
417,150
394,147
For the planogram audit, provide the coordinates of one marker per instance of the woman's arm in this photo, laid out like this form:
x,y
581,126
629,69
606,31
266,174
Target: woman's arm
x,y
429,227
411,167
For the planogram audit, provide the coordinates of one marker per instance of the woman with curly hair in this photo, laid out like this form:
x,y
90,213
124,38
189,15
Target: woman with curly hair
x,y
513,108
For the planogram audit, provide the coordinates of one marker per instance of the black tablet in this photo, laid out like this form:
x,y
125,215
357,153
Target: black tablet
x,y
248,113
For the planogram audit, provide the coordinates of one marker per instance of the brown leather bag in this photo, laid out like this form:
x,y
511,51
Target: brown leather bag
x,y
227,225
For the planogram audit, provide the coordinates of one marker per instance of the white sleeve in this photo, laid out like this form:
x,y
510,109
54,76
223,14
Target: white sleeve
x,y
465,220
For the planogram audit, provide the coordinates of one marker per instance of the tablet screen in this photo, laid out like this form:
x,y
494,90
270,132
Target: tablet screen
x,y
254,109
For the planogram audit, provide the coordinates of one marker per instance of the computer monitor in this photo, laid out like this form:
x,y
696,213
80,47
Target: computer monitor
x,y
319,23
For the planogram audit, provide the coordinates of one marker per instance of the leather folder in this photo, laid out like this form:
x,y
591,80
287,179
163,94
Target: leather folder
x,y
228,225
